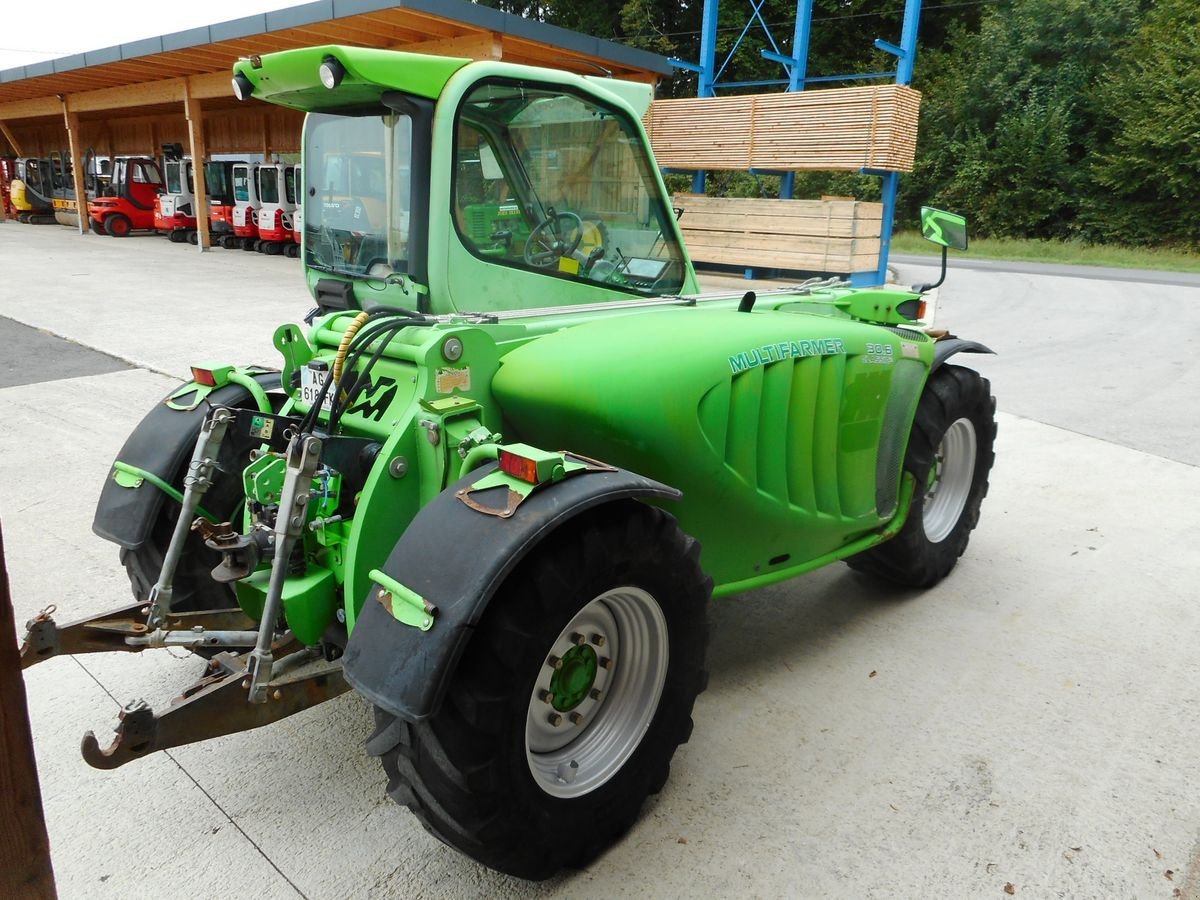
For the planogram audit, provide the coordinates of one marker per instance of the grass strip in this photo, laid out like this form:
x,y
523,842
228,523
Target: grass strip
x,y
1068,252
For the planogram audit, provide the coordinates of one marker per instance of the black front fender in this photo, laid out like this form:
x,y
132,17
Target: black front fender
x,y
947,347
161,444
456,558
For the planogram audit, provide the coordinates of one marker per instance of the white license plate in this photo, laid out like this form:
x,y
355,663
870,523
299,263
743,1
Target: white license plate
x,y
311,382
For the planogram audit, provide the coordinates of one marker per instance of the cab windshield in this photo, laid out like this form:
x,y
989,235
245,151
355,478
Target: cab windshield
x,y
561,184
357,172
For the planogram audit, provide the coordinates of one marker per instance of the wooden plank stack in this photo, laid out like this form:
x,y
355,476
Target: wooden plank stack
x,y
834,236
831,129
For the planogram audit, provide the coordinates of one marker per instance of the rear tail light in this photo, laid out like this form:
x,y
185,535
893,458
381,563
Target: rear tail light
x,y
203,376
519,467
211,375
531,465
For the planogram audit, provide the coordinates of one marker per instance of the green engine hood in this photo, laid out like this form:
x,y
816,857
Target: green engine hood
x,y
793,422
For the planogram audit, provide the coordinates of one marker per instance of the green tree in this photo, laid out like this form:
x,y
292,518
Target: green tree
x,y
1010,119
1148,177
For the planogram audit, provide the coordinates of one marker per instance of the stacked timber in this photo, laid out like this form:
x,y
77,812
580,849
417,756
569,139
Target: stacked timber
x,y
834,236
872,127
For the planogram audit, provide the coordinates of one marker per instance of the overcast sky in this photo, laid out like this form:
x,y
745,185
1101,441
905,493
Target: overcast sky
x,y
71,30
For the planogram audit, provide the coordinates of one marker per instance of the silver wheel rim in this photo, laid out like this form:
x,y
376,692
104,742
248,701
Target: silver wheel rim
x,y
950,481
574,751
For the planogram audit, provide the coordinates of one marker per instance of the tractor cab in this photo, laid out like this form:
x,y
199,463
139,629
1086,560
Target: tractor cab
x,y
543,191
129,200
246,203
277,193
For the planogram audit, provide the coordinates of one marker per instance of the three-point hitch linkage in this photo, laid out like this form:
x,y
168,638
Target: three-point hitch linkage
x,y
240,690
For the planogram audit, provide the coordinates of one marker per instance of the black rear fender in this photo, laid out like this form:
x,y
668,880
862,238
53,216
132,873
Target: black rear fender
x,y
456,558
162,444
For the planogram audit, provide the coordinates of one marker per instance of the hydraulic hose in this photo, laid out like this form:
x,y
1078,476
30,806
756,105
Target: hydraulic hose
x,y
344,347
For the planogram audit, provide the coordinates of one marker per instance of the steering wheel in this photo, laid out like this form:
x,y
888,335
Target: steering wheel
x,y
546,244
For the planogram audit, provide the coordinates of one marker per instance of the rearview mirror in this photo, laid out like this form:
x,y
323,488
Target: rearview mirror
x,y
945,228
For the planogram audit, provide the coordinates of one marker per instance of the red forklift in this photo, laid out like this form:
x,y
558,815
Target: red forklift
x,y
128,201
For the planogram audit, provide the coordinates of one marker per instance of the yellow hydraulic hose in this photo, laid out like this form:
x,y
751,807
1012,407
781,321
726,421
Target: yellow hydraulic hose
x,y
344,346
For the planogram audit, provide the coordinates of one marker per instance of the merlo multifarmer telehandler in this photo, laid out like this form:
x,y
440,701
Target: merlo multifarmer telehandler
x,y
494,484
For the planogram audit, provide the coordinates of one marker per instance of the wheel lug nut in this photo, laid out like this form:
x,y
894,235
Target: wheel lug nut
x,y
595,694
554,719
598,640
554,662
578,639
545,696
576,718
606,662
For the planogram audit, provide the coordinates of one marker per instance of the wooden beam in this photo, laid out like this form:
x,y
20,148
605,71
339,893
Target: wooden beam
x,y
30,109
170,91
471,46
12,141
77,173
24,844
195,120
207,87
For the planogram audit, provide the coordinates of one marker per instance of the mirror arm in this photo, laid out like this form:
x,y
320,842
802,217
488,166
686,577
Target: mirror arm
x,y
922,288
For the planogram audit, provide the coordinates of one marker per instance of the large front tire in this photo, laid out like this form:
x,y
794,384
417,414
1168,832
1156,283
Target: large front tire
x,y
949,455
569,701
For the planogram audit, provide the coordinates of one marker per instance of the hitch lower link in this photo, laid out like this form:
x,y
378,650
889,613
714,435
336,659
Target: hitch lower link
x,y
217,704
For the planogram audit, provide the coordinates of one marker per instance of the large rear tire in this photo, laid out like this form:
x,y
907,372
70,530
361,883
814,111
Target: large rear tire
x,y
194,588
950,453
569,701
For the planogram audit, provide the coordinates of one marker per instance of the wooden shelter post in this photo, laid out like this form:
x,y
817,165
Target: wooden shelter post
x,y
79,176
24,845
195,120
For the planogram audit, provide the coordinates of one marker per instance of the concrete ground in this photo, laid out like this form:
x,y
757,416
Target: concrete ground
x,y
1029,726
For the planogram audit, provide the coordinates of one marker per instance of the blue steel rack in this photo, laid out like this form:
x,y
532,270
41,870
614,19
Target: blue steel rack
x,y
796,67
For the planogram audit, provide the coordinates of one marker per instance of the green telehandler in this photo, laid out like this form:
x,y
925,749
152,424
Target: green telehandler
x,y
495,481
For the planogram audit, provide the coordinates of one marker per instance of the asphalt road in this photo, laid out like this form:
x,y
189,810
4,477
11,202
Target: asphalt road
x,y
1032,721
